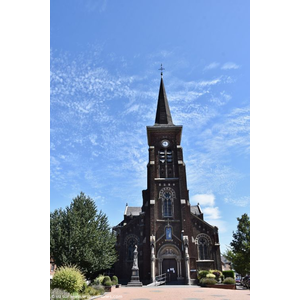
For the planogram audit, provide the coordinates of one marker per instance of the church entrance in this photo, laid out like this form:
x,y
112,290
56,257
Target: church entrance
x,y
169,266
169,262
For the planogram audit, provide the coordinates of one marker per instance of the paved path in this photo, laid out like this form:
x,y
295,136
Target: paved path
x,y
182,292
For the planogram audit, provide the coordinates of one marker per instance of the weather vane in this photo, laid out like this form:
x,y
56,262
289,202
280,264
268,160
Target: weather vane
x,y
161,69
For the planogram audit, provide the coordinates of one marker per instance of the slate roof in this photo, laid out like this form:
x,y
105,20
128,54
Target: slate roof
x,y
132,211
163,114
195,209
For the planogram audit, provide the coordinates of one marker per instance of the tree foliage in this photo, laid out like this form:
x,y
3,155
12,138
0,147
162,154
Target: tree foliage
x,y
80,236
239,251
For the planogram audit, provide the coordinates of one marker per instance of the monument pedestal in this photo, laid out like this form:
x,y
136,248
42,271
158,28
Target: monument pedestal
x,y
135,278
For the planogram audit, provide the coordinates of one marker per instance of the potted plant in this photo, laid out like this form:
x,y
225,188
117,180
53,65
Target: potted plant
x,y
115,281
107,284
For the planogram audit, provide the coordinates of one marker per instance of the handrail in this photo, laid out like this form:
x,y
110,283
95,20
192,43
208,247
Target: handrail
x,y
160,279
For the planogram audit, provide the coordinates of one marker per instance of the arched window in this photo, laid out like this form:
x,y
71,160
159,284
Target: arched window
x,y
167,195
166,163
204,243
167,208
130,243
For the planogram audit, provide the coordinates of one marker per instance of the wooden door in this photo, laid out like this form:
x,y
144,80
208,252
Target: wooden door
x,y
169,266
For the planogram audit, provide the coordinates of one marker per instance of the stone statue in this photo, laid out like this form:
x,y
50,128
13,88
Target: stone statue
x,y
135,259
135,277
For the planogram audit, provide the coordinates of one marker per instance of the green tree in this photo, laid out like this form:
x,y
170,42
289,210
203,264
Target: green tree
x,y
80,236
239,251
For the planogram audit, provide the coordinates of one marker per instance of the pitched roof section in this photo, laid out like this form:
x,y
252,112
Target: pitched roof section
x,y
163,114
132,211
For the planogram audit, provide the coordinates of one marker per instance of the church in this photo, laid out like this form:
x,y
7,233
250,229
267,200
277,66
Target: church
x,y
171,235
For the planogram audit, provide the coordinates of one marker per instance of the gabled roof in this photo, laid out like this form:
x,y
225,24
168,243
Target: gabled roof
x,y
132,211
163,114
196,210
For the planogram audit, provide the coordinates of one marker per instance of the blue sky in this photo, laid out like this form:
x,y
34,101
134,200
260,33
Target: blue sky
x,y
105,57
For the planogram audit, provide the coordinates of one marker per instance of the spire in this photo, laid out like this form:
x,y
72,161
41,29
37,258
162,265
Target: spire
x,y
163,114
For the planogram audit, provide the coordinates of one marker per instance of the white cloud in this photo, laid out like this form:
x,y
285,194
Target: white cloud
x,y
203,199
213,65
132,109
93,138
222,225
209,82
211,213
230,65
242,201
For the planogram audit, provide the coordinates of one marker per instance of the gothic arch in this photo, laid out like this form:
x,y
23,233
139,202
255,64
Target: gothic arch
x,y
168,251
167,195
204,244
130,241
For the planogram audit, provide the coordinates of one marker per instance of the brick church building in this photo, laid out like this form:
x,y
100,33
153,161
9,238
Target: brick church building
x,y
171,234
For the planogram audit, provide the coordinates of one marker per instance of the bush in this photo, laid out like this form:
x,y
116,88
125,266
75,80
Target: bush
x,y
59,294
99,288
99,280
207,281
228,273
69,279
217,273
210,275
114,280
84,287
202,274
92,292
229,280
107,281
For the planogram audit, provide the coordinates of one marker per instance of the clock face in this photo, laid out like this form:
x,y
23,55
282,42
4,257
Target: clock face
x,y
165,143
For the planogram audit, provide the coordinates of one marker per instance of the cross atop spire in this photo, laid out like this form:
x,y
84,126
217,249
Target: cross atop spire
x,y
161,70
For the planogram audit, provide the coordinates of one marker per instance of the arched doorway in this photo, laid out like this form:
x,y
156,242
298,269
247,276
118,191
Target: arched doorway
x,y
169,262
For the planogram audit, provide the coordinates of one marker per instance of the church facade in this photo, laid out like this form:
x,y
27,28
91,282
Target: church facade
x,y
170,233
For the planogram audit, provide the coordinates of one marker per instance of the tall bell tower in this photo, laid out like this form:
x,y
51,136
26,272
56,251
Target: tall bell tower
x,y
166,200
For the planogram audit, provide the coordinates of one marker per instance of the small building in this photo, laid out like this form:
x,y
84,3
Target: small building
x,y
226,264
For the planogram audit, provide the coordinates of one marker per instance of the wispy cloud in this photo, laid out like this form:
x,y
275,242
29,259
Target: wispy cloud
x,y
225,66
242,201
98,124
212,213
211,66
230,65
203,199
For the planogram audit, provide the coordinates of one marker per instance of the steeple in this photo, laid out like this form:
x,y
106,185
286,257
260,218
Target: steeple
x,y
163,114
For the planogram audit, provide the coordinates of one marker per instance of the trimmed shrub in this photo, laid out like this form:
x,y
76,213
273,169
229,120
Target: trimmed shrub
x,y
229,280
202,274
69,279
217,273
107,281
207,281
228,273
114,280
98,280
